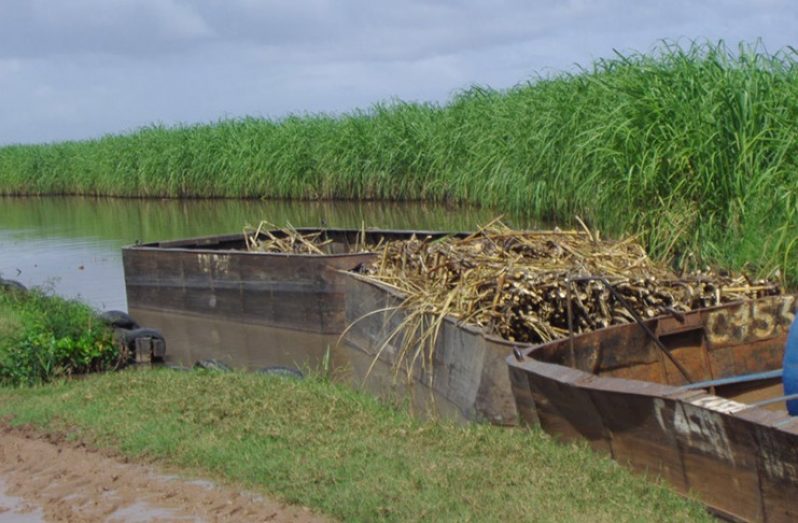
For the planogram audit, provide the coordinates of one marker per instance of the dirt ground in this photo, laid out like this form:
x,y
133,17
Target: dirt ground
x,y
54,480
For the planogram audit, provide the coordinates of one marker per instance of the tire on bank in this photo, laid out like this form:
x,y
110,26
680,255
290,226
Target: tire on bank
x,y
284,372
212,365
142,344
12,285
119,319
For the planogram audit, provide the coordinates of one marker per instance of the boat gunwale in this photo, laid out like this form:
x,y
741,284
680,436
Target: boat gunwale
x,y
570,376
246,253
202,244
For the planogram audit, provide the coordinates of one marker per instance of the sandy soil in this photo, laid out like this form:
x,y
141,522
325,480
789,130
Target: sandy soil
x,y
54,480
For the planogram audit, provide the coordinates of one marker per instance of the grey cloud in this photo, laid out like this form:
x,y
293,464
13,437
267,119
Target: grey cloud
x,y
81,68
42,28
353,30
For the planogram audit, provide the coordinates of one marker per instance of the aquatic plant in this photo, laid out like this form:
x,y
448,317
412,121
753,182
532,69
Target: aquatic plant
x,y
691,146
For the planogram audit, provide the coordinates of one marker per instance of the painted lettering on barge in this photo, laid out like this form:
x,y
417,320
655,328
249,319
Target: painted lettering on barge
x,y
699,424
750,321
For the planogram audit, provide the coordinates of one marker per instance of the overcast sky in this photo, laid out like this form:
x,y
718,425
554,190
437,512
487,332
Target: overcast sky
x,y
72,69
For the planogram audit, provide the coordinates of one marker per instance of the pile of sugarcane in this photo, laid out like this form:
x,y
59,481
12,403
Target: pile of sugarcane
x,y
530,286
267,237
539,286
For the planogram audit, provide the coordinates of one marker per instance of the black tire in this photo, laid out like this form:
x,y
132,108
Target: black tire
x,y
284,372
213,365
129,337
119,319
12,285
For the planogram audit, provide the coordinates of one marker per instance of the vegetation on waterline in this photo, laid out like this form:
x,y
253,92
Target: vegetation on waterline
x,y
43,337
340,451
693,146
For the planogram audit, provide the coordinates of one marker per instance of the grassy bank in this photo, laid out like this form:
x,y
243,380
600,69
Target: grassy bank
x,y
44,337
695,147
340,451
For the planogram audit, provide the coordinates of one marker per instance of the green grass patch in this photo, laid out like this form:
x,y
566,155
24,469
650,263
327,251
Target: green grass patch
x,y
43,337
342,452
10,324
692,146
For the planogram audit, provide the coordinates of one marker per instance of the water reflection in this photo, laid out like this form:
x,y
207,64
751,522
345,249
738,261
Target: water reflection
x,y
73,243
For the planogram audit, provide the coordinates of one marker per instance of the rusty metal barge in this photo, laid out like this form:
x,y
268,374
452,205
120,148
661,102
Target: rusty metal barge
x,y
211,298
462,376
695,399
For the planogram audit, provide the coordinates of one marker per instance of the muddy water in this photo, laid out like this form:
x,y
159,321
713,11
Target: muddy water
x,y
14,509
72,244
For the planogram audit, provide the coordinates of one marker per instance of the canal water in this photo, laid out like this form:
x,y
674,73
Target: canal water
x,y
72,245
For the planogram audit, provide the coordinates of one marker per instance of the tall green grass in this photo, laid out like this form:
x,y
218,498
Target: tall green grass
x,y
693,146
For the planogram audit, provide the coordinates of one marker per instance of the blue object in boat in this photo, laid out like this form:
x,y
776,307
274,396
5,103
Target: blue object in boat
x,y
790,376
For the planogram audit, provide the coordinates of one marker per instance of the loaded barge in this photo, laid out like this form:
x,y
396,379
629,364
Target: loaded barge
x,y
694,398
212,298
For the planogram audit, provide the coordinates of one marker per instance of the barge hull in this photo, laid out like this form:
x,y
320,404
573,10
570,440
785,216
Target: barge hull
x,y
211,297
465,371
740,460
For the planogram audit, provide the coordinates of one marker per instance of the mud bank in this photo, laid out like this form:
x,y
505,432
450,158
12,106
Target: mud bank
x,y
43,480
